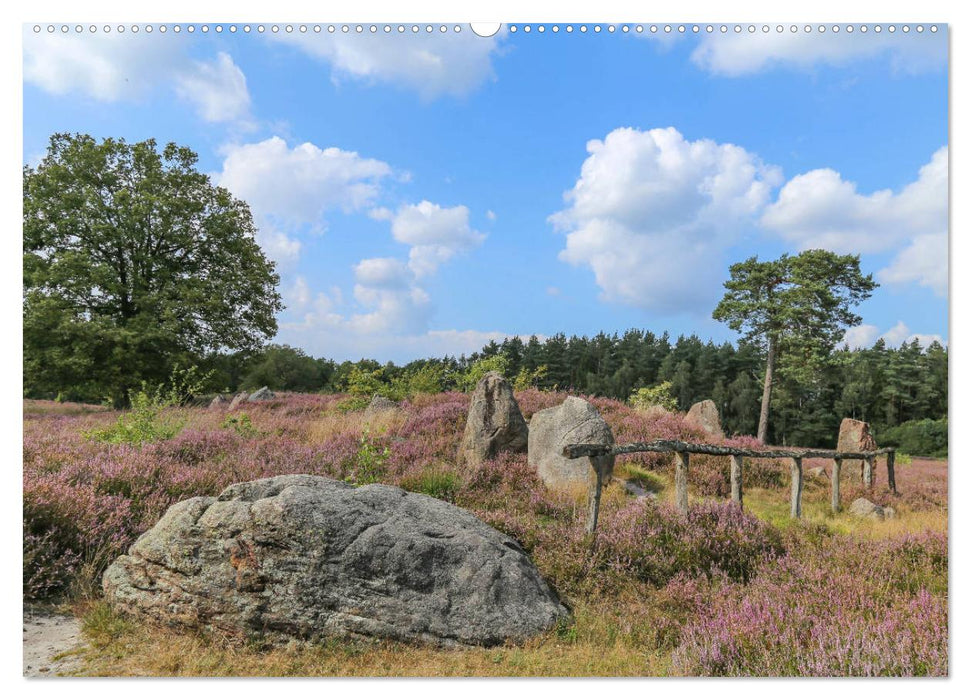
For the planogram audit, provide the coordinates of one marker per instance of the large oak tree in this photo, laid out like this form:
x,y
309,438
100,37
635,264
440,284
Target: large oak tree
x,y
798,305
134,261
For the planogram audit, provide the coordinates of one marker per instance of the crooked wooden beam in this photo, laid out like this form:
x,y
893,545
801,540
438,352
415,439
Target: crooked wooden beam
x,y
593,450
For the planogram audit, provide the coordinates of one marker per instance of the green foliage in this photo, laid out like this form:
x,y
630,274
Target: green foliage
x,y
427,379
283,368
369,461
527,379
241,425
132,262
917,437
657,395
364,382
352,403
494,363
437,481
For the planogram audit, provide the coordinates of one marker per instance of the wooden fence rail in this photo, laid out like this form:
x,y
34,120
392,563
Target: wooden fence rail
x,y
683,450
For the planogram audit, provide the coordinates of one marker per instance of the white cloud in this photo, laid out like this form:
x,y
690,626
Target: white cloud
x,y
820,209
113,67
216,88
652,213
429,64
864,336
436,234
735,55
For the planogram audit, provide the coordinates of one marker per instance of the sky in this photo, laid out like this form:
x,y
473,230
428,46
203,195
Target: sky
x,y
423,193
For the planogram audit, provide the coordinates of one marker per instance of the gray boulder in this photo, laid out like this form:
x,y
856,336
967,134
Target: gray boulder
x,y
704,415
262,394
379,404
307,557
866,509
575,421
495,424
819,473
218,401
237,400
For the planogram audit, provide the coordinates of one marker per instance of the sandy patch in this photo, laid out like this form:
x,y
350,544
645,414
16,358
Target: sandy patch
x,y
45,636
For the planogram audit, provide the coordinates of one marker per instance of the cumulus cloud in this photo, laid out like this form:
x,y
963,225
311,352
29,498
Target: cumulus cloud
x,y
430,64
733,55
216,88
820,209
652,213
113,67
435,233
865,335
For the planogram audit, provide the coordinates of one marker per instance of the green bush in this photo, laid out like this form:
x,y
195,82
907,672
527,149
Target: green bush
x,y
925,437
369,461
657,395
241,425
435,481
495,363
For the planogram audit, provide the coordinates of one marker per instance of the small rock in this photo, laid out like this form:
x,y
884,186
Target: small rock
x,y
379,404
218,401
237,400
819,473
867,509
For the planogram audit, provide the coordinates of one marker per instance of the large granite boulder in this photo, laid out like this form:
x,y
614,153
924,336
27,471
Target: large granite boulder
x,y
495,424
704,415
307,557
575,421
262,394
855,437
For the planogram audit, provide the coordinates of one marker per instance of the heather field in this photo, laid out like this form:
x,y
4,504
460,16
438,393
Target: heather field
x,y
722,592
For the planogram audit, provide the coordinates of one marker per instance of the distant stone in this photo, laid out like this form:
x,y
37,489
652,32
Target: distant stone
x,y
855,437
819,473
218,401
704,415
379,404
237,400
262,394
866,509
306,557
575,421
495,424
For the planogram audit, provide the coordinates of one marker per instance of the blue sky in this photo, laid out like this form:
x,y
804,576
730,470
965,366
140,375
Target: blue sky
x,y
423,194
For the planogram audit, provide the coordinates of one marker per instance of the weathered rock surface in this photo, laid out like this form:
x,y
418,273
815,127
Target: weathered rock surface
x,y
819,473
866,509
379,404
704,415
495,424
307,557
855,437
262,394
237,400
218,401
572,422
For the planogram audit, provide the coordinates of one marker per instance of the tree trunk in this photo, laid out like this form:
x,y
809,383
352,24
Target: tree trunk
x,y
767,392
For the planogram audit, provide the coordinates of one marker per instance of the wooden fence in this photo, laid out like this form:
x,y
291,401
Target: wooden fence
x,y
683,450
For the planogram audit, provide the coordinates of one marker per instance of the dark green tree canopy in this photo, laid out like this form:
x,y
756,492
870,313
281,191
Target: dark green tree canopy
x,y
133,261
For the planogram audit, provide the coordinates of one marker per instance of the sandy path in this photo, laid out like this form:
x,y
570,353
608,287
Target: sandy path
x,y
45,636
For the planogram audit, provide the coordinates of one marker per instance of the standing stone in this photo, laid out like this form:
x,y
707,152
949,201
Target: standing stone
x,y
575,421
307,557
262,394
704,415
855,437
218,401
495,423
237,400
379,404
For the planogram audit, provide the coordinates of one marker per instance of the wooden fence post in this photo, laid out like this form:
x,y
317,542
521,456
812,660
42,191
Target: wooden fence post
x,y
594,512
795,475
737,479
681,481
891,477
837,466
868,472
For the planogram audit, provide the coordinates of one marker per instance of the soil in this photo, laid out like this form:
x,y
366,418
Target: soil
x,y
48,634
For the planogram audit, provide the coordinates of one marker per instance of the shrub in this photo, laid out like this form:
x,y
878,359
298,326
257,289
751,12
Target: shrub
x,y
657,395
496,363
435,481
917,437
241,425
369,461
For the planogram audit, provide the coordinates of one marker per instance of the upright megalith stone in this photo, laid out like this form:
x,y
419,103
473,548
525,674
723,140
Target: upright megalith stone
x,y
262,394
495,423
237,400
855,437
575,421
307,557
704,415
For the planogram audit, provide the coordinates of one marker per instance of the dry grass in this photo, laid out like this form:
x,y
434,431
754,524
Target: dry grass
x,y
333,424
